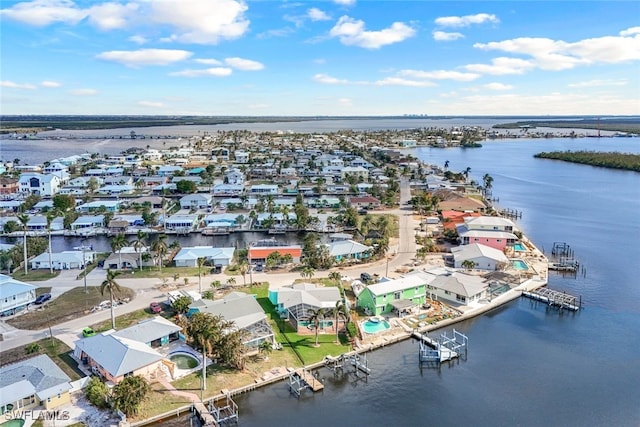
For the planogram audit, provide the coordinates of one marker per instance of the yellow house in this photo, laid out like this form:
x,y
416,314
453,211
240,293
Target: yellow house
x,y
32,383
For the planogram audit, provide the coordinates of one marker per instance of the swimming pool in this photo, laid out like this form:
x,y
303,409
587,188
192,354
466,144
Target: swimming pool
x,y
374,327
519,247
518,264
184,360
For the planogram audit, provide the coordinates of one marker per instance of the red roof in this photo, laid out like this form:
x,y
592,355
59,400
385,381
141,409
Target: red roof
x,y
264,252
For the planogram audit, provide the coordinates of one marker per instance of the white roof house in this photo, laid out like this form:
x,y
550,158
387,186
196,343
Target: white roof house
x,y
348,249
64,260
181,222
149,331
45,185
484,257
493,223
15,294
188,256
195,201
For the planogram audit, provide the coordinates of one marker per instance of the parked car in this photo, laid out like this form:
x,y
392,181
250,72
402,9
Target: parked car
x,y
42,299
365,277
88,332
155,307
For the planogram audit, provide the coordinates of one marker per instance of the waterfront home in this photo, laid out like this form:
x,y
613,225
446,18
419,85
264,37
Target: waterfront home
x,y
354,171
453,286
245,313
495,239
45,185
31,383
117,226
364,202
451,219
450,200
155,202
188,256
196,201
344,250
263,189
65,260
399,295
88,223
181,223
39,223
295,302
491,223
95,205
114,358
259,254
227,221
154,332
483,257
15,295
277,219
323,202
168,170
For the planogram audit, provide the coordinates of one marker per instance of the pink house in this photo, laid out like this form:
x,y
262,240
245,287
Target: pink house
x,y
494,239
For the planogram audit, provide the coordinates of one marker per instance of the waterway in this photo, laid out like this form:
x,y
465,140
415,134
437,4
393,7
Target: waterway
x,y
527,365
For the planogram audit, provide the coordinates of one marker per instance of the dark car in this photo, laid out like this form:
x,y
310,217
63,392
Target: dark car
x,y
42,299
155,307
365,277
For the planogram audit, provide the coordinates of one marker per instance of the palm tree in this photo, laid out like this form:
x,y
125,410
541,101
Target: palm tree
x,y
160,248
307,272
231,281
466,173
468,264
50,217
243,268
340,310
336,277
265,348
316,316
24,220
129,393
200,261
139,244
112,286
117,243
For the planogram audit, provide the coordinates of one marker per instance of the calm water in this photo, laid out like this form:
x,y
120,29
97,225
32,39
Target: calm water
x,y
526,366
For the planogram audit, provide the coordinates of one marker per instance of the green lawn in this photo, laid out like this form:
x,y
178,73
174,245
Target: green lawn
x,y
34,275
70,305
57,350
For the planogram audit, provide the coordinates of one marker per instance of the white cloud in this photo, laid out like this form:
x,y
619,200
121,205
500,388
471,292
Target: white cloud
x,y
14,85
465,21
83,92
326,79
399,81
352,32
208,72
549,54
151,104
201,21
244,64
502,66
630,32
316,14
111,16
598,83
138,39
208,61
141,57
50,84
345,2
44,12
443,36
440,75
345,102
497,86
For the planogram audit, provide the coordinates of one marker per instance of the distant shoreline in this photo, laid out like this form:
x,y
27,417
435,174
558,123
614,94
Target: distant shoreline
x,y
41,123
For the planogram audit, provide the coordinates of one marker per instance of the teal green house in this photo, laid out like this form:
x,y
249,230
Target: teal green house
x,y
399,296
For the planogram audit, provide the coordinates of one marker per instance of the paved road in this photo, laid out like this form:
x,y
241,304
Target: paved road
x,y
400,255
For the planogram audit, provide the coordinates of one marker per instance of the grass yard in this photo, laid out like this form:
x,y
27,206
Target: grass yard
x,y
34,275
158,401
70,305
58,352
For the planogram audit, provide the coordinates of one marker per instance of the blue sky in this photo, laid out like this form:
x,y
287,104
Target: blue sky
x,y
341,57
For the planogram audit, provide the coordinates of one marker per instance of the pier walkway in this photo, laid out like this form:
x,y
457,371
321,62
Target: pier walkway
x,y
555,298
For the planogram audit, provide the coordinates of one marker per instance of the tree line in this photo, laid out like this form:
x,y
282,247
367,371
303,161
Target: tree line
x,y
612,160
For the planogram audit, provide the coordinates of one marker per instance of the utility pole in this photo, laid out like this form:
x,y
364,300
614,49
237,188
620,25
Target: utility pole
x,y
84,267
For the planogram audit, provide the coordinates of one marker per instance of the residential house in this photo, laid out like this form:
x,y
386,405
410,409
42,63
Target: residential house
x,y
296,302
357,171
264,189
483,257
31,383
96,205
15,295
450,200
181,223
226,221
364,202
241,156
38,223
168,170
65,260
245,313
154,332
399,295
195,201
259,254
491,223
453,286
88,223
8,186
227,190
40,184
495,239
345,250
188,256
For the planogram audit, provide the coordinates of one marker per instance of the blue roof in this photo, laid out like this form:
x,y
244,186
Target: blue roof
x,y
10,287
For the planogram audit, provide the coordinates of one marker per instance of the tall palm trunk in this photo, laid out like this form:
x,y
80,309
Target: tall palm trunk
x,y
113,317
50,262
24,250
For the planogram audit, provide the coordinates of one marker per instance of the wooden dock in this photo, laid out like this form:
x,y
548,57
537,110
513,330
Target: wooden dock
x,y
556,299
312,382
301,379
203,413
